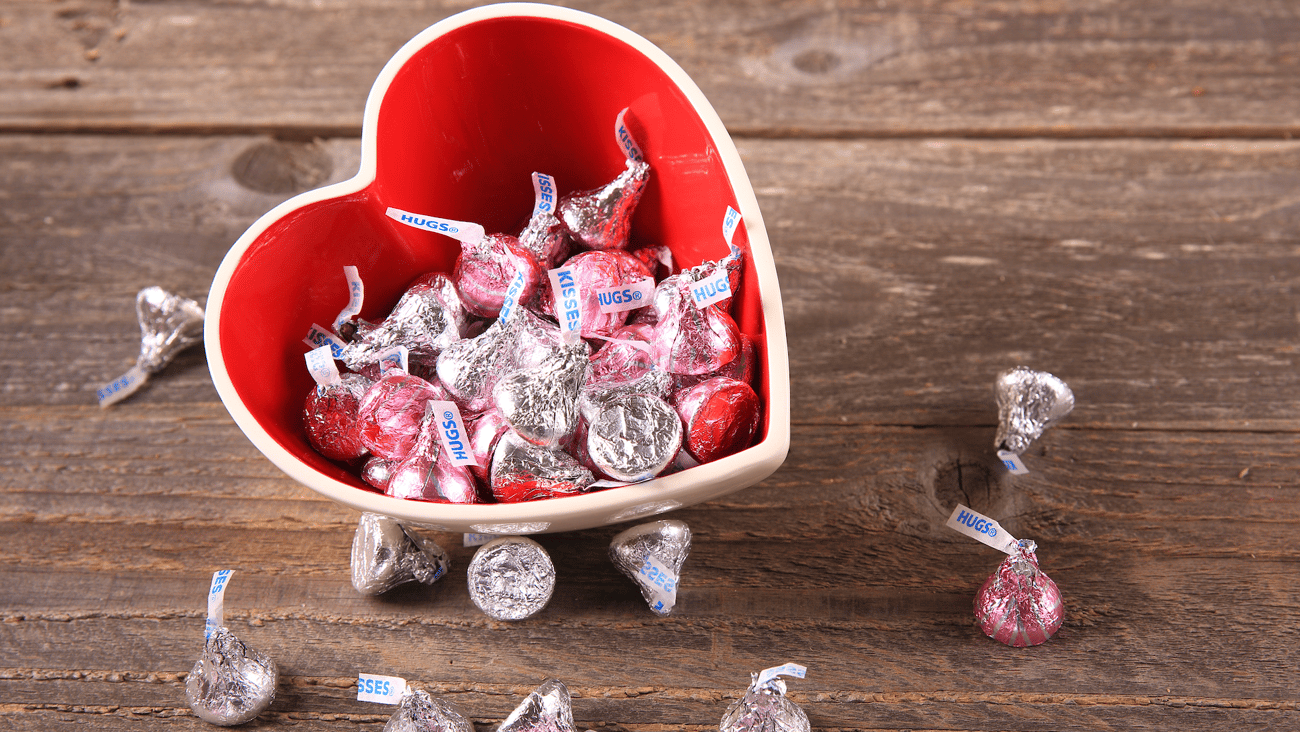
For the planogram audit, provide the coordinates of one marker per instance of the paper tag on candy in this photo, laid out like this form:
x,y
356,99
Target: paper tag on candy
x,y
730,221
217,601
661,581
1012,461
478,539
512,296
452,434
320,364
792,670
397,357
380,689
356,296
630,296
714,288
568,303
625,139
543,194
463,231
123,386
319,336
981,528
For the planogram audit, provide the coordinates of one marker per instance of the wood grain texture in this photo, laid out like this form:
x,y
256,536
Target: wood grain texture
x,y
1105,192
845,68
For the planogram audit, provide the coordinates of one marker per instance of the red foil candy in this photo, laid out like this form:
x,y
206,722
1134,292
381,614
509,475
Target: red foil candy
x,y
330,417
391,412
1018,604
485,270
601,218
721,417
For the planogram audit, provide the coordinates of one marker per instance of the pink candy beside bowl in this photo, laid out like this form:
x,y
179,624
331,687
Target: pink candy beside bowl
x,y
454,126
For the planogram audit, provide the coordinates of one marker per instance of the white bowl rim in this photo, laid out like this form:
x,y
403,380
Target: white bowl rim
x,y
589,510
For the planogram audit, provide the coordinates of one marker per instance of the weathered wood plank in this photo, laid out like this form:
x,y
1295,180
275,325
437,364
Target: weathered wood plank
x,y
793,68
912,271
190,468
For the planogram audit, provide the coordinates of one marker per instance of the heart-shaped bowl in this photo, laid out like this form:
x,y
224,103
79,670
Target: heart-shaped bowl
x,y
454,127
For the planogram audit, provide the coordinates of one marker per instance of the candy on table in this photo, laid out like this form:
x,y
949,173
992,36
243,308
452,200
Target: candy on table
x,y
652,555
547,709
230,683
1018,604
1028,402
765,707
511,578
386,555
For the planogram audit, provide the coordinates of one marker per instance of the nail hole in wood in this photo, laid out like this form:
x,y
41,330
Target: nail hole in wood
x,y
964,482
817,61
282,167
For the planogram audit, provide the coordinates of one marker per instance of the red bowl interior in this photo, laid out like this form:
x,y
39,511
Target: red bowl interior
x,y
460,129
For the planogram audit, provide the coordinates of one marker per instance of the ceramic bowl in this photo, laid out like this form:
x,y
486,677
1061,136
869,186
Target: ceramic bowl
x,y
454,126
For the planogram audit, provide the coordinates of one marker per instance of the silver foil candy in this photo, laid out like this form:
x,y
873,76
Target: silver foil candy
x,y
764,708
168,325
427,319
421,712
602,388
469,369
541,402
601,218
636,551
634,438
385,555
546,237
511,578
230,683
522,471
547,709
1028,402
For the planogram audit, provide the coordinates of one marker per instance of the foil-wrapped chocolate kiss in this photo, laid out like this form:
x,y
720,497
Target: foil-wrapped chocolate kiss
x,y
652,555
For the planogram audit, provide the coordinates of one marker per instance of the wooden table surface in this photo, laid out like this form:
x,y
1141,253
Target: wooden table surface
x,y
1106,191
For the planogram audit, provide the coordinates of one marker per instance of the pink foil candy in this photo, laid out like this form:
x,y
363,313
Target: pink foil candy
x,y
377,472
483,435
485,270
522,471
1018,604
689,339
740,368
427,473
391,412
330,416
601,218
721,417
625,353
594,271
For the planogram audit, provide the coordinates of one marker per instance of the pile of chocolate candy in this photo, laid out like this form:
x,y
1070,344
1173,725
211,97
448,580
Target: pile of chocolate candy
x,y
549,363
